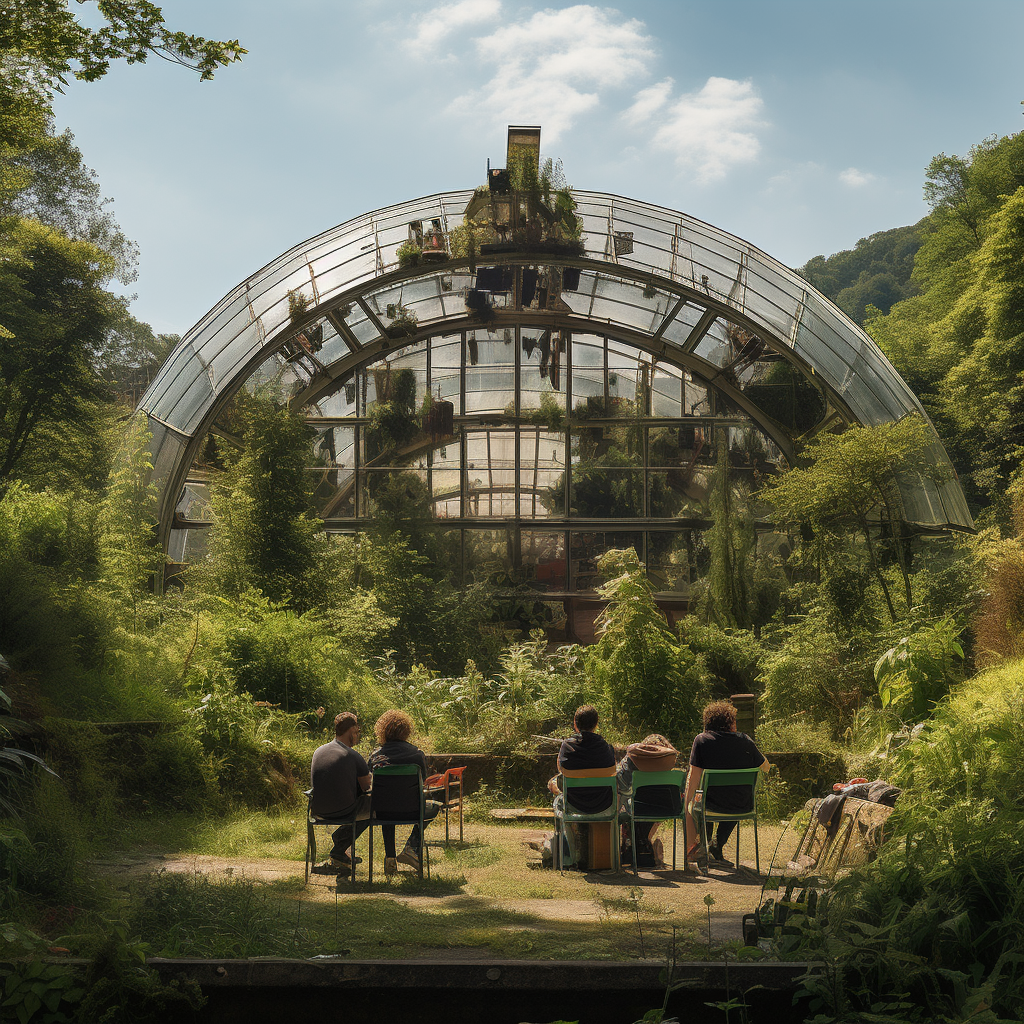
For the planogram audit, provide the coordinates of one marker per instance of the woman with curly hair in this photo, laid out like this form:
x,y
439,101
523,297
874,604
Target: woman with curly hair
x,y
719,746
393,730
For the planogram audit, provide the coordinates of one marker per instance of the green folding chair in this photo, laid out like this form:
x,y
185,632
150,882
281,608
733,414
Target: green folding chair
x,y
712,777
391,785
313,822
676,778
572,816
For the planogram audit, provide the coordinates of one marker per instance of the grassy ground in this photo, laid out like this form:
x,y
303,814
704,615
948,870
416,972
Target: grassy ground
x,y
235,888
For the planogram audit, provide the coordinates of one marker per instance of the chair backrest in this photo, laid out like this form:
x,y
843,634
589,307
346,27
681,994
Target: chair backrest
x,y
669,785
397,791
712,777
593,794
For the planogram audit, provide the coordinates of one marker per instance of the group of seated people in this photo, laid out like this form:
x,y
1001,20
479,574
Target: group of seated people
x,y
587,755
341,779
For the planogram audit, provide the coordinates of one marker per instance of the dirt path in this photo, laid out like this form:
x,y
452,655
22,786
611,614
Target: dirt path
x,y
682,895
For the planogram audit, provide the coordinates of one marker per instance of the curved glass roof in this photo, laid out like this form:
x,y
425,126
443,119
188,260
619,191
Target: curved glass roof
x,y
691,296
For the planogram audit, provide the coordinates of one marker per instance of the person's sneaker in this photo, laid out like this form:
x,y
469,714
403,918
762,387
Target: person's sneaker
x,y
390,866
410,857
715,853
344,861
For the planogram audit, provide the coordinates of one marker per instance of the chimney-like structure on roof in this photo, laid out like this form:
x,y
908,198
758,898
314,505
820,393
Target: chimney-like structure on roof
x,y
523,145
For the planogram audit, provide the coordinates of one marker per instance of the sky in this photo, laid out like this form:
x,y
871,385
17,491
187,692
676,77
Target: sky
x,y
798,125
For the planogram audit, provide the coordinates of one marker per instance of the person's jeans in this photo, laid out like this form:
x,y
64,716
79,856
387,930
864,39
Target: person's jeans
x,y
346,836
431,807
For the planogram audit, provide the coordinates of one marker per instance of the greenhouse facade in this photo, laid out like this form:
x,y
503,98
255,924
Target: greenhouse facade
x,y
544,373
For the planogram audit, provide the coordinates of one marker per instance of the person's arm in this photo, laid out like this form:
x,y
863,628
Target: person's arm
x,y
364,777
766,765
693,777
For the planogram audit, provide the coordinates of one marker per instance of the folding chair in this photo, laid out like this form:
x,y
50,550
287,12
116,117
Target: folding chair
x,y
569,815
676,778
312,822
398,785
712,777
446,788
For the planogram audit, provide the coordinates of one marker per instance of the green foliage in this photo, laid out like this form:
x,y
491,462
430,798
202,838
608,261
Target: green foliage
x,y
408,254
56,313
733,656
876,272
128,557
652,678
916,673
957,343
44,36
731,541
264,532
817,670
849,476
935,919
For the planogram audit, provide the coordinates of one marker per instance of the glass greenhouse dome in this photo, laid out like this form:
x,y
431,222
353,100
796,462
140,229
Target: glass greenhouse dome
x,y
548,374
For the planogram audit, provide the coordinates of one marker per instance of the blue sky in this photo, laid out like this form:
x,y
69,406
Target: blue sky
x,y
799,126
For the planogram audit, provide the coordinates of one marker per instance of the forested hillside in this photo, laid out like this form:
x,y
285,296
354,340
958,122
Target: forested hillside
x,y
955,329
872,276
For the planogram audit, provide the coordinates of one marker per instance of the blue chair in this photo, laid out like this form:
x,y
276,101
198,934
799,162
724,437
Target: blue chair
x,y
313,822
570,815
394,785
676,779
713,777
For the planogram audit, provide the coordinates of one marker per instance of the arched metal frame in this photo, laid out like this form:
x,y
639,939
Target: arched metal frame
x,y
650,277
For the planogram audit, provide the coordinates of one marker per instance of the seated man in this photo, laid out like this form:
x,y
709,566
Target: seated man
x,y
340,780
584,755
720,746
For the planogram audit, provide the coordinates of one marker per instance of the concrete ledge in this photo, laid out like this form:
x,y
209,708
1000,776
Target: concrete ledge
x,y
468,991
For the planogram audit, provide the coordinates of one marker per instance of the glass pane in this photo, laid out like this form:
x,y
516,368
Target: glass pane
x,y
487,555
608,446
334,491
543,558
587,548
541,376
669,556
607,493
402,492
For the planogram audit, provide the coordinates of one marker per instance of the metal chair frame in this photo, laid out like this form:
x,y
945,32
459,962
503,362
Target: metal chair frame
x,y
570,816
641,780
312,822
712,777
392,770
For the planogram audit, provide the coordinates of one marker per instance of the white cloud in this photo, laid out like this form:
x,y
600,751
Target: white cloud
x,y
442,21
649,101
853,178
710,131
552,67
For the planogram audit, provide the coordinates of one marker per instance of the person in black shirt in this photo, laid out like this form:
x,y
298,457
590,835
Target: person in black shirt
x,y
720,746
583,755
393,730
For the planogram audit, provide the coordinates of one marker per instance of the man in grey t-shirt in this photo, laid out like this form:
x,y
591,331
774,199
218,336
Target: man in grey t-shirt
x,y
340,780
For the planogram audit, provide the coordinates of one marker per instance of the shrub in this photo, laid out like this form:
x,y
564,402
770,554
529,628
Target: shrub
x,y
652,679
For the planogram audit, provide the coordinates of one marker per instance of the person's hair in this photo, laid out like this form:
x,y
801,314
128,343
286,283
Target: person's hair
x,y
344,721
585,718
657,738
719,716
393,726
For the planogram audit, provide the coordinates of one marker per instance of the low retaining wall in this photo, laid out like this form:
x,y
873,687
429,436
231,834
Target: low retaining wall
x,y
470,991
